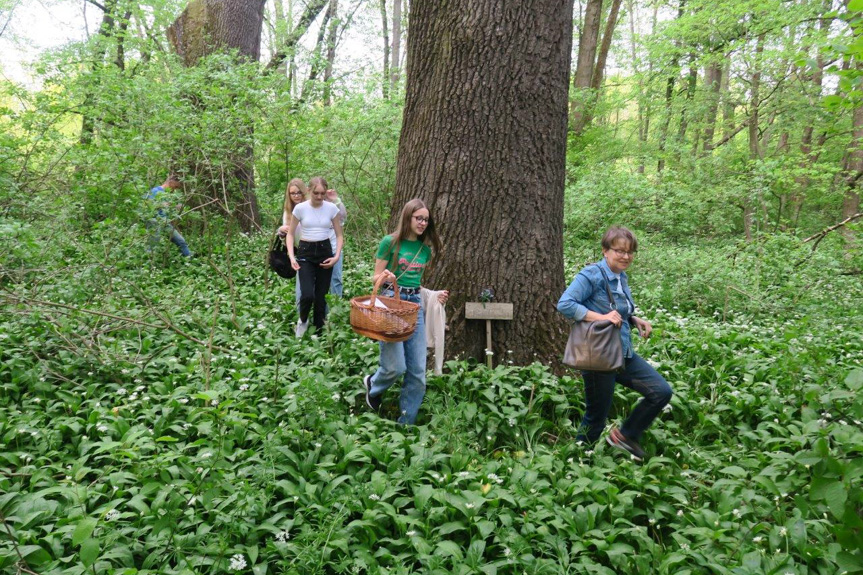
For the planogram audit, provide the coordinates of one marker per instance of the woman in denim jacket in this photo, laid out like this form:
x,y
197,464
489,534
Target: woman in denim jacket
x,y
586,299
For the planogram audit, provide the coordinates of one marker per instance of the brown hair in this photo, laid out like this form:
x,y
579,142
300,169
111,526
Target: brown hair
x,y
317,180
289,202
615,233
429,235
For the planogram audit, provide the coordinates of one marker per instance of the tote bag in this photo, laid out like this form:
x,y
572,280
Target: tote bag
x,y
595,345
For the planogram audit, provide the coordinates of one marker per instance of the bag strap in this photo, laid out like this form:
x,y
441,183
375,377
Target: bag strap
x,y
416,255
607,288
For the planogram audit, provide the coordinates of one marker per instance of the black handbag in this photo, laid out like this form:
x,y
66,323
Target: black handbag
x,y
595,345
279,260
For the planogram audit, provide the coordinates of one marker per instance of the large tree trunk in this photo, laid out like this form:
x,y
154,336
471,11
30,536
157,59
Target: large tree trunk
x,y
483,142
206,27
587,43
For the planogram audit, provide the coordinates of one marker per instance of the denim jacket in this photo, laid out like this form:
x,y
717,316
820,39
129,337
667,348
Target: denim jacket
x,y
587,292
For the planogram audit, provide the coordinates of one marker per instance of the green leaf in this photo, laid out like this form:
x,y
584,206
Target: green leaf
x,y
848,562
449,549
854,380
855,6
836,495
83,530
167,439
89,552
733,470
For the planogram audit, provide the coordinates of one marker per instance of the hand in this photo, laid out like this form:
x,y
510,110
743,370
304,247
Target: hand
x,y
283,230
329,262
332,196
387,275
613,317
643,326
443,296
295,264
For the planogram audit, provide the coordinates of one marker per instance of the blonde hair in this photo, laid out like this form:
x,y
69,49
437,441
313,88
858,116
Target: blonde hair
x,y
290,204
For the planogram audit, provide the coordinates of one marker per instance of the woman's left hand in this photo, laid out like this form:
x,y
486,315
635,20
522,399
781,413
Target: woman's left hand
x,y
643,326
443,296
332,195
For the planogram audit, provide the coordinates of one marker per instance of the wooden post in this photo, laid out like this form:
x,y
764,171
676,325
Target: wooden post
x,y
488,312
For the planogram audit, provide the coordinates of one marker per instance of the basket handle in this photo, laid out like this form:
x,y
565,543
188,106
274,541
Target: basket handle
x,y
378,285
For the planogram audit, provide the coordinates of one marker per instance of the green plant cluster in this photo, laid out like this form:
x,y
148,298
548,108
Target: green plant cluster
x,y
165,419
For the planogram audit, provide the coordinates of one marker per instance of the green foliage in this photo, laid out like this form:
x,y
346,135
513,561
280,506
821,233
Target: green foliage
x,y
218,442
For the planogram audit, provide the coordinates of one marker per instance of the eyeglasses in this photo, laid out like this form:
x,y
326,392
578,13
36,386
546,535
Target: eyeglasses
x,y
421,219
623,253
296,193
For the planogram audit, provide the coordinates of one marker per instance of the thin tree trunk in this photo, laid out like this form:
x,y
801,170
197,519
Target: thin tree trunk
x,y
385,83
713,83
317,57
332,36
587,44
853,172
88,120
669,98
728,103
754,149
599,67
395,66
475,130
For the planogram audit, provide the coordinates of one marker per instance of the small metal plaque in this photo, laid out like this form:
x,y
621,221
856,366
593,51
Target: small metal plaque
x,y
479,310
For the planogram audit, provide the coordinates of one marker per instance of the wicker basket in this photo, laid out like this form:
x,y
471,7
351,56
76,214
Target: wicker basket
x,y
395,322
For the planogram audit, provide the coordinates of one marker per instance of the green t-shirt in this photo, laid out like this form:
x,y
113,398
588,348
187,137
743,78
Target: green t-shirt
x,y
408,258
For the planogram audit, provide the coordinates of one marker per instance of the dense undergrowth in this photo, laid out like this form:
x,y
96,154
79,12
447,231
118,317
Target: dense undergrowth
x,y
157,415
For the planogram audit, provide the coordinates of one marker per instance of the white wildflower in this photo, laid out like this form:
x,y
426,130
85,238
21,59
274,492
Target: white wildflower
x,y
112,515
375,497
238,562
283,536
411,533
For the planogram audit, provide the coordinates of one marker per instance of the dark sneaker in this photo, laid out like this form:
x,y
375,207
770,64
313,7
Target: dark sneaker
x,y
616,439
373,402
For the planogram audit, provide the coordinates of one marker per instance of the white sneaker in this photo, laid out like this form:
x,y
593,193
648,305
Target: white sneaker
x,y
302,326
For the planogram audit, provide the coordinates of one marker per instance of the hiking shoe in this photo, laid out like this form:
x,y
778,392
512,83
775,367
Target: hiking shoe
x,y
616,439
302,326
373,402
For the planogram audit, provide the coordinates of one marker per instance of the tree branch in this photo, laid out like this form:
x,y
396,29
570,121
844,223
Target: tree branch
x,y
312,10
820,235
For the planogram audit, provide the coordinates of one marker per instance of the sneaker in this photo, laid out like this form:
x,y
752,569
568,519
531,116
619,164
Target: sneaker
x,y
373,402
302,326
616,439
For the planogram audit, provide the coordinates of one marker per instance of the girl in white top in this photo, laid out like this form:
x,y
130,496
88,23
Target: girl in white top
x,y
315,255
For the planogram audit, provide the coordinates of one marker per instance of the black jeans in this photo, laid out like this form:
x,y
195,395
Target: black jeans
x,y
314,280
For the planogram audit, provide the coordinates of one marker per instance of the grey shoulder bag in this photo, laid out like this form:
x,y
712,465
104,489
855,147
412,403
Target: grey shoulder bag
x,y
595,345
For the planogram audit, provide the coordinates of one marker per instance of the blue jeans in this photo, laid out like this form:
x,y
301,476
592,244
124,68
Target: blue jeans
x,y
159,227
336,287
637,375
408,358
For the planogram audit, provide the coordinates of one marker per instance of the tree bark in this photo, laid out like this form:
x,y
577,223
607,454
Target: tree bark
x,y
713,83
853,172
599,68
332,37
587,43
483,143
313,8
206,27
106,28
385,83
749,201
395,66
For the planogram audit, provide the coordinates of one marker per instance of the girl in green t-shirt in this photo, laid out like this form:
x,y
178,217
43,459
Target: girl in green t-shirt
x,y
403,256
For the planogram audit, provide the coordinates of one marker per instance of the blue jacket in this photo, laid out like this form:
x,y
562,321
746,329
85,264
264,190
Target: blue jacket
x,y
587,292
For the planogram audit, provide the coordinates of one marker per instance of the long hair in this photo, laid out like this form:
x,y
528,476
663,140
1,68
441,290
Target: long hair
x,y
429,236
317,180
290,204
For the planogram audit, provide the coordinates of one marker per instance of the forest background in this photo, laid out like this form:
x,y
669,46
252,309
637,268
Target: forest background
x,y
156,414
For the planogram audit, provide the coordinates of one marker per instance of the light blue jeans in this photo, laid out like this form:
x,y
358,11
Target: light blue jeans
x,y
408,358
336,287
159,227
